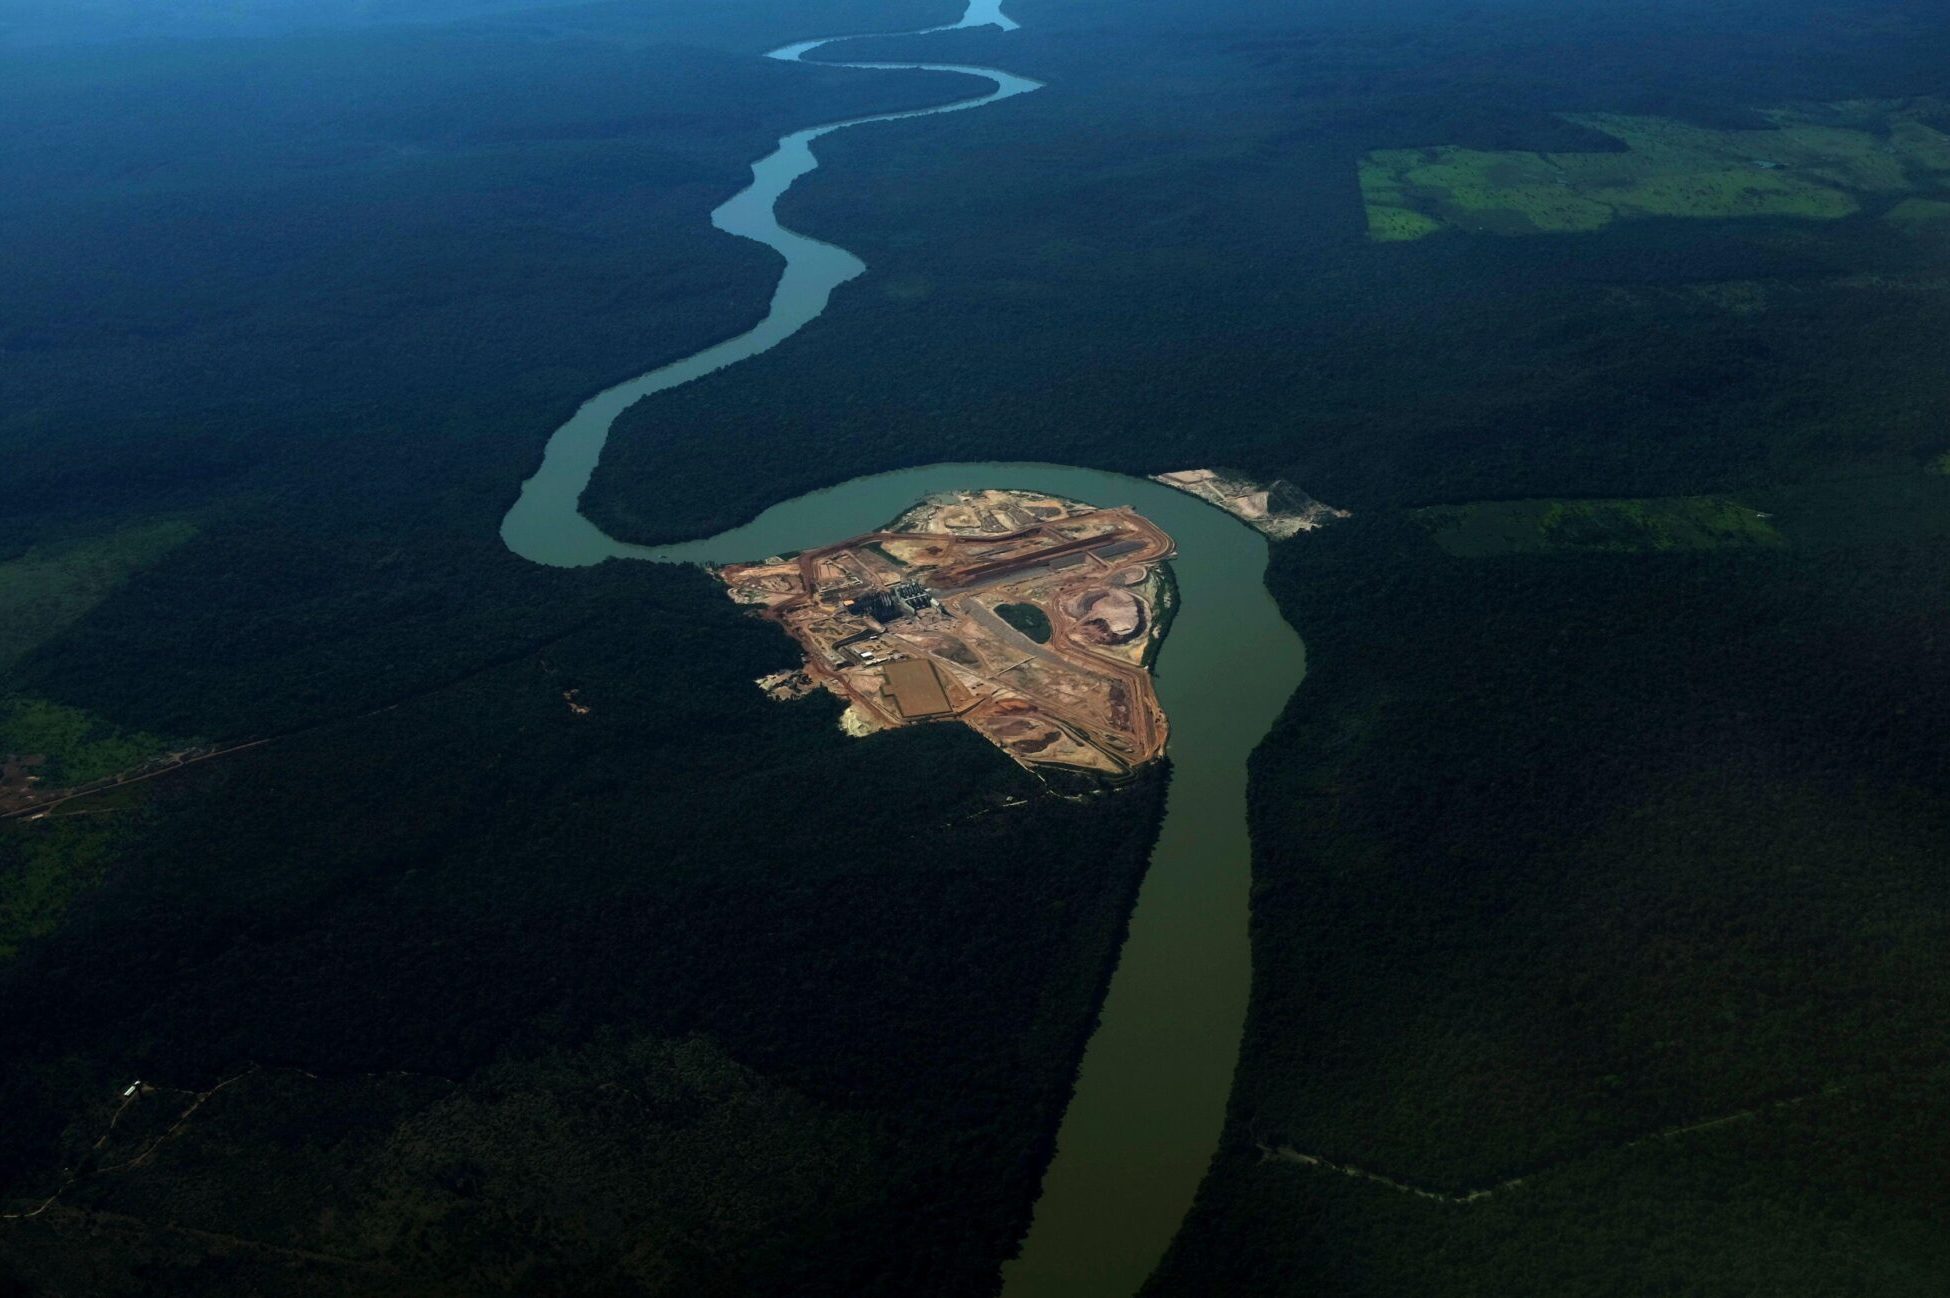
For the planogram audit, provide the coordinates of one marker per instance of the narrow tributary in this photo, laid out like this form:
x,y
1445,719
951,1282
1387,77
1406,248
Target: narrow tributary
x,y
1151,1095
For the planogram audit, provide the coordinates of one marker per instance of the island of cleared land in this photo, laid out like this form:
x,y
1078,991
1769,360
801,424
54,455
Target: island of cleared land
x,y
1029,618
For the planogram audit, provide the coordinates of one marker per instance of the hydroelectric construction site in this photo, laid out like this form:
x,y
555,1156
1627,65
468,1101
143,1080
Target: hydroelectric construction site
x,y
1029,618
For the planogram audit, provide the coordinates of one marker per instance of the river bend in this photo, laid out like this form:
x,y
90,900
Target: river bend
x,y
1150,1097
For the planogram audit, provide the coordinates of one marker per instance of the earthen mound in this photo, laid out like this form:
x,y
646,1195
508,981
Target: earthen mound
x,y
1107,616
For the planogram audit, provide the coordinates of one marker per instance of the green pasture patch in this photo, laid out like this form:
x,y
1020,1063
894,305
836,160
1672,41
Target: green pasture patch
x,y
1026,618
1920,140
1389,219
1815,163
1399,224
44,865
1494,527
1720,194
1915,214
48,589
79,747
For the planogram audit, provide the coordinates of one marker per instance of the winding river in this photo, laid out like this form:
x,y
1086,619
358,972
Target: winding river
x,y
1150,1097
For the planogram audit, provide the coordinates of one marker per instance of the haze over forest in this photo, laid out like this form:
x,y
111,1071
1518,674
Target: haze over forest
x,y
384,913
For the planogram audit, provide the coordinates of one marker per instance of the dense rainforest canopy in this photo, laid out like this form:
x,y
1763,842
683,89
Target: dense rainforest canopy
x,y
1598,862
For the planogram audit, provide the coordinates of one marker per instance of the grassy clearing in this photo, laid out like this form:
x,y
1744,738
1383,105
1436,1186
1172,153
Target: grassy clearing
x,y
79,747
1399,224
43,867
1390,219
1813,164
1494,527
48,589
